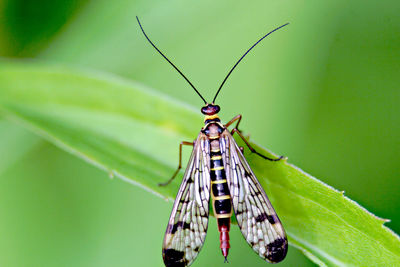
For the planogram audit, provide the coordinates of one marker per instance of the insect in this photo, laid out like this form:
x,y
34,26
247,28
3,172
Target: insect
x,y
218,168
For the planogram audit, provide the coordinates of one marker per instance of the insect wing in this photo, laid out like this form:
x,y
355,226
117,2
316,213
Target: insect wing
x,y
187,226
255,215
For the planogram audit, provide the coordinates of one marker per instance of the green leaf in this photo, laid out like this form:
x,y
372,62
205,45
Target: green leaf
x,y
16,142
133,133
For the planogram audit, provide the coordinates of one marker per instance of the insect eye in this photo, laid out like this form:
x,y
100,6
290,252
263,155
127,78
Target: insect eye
x,y
206,110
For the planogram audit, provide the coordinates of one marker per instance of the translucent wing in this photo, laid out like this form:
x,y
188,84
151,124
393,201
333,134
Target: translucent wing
x,y
256,217
187,226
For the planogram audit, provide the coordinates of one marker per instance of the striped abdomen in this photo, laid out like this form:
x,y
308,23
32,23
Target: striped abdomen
x,y
220,193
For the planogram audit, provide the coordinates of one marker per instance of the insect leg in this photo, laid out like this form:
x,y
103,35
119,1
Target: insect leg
x,y
237,118
180,162
235,130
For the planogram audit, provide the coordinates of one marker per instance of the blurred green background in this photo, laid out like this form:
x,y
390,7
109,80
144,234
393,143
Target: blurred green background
x,y
323,91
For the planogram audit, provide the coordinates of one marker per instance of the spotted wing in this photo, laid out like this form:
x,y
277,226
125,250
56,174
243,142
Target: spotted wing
x,y
255,215
187,226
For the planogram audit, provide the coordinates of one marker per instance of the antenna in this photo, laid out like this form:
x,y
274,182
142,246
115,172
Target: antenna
x,y
205,102
229,73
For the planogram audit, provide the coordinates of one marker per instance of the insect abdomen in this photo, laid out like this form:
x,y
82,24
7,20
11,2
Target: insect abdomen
x,y
221,197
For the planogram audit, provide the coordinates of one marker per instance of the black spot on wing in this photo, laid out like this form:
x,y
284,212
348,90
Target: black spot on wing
x,y
174,258
238,212
263,216
277,250
246,173
173,228
184,201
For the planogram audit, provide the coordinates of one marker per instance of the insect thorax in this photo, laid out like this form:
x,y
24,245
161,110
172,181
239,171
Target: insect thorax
x,y
212,126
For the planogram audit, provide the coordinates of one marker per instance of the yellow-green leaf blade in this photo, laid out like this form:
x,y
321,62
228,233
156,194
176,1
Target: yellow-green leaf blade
x,y
132,132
